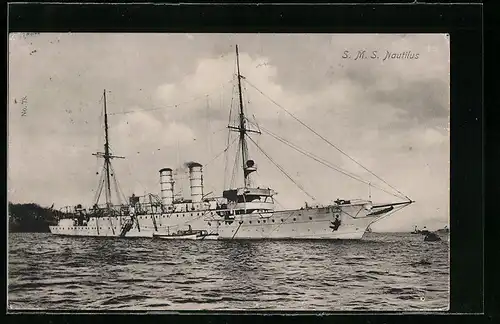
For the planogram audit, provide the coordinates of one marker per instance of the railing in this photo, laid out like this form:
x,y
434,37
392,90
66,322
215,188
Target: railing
x,y
255,205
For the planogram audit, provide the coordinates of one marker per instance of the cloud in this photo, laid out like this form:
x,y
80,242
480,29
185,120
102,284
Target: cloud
x,y
140,129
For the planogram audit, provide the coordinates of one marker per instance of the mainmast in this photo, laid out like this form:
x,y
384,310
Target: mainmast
x,y
242,128
248,165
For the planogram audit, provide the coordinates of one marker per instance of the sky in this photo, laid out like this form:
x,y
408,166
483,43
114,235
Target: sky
x,y
169,97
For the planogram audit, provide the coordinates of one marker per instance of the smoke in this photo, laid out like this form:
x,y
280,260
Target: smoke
x,y
191,164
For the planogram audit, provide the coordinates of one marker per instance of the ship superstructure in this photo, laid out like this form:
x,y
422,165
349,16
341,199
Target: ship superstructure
x,y
141,216
242,212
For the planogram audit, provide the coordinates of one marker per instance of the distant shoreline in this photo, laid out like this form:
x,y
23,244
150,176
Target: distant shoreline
x,y
30,218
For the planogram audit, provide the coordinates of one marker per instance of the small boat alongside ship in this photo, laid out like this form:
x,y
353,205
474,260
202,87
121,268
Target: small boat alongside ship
x,y
187,235
246,211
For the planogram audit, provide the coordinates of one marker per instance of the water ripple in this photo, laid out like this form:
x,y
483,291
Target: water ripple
x,y
382,272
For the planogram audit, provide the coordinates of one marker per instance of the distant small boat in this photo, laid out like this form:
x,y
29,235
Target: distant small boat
x,y
432,237
443,230
423,232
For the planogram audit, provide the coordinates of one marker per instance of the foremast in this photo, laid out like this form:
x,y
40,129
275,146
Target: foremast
x,y
107,156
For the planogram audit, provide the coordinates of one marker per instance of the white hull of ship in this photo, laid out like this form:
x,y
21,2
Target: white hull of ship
x,y
144,226
309,223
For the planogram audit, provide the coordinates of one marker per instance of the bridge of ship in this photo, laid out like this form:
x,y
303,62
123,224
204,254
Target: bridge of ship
x,y
248,200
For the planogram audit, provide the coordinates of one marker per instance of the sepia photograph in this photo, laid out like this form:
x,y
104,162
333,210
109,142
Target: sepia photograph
x,y
267,172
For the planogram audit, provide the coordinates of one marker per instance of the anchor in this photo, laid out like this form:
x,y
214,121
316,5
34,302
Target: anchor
x,y
335,224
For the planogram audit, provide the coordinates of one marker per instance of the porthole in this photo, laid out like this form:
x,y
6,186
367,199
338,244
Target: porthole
x,y
249,222
310,218
294,219
258,221
273,220
264,220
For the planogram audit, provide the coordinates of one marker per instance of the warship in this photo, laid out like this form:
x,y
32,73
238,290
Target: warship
x,y
246,211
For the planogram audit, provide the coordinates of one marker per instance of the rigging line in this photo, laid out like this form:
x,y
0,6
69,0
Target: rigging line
x,y
249,122
209,126
324,139
278,203
220,153
235,169
226,165
99,188
326,163
254,122
291,214
171,105
311,155
117,191
398,208
117,187
100,177
98,192
193,142
281,169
